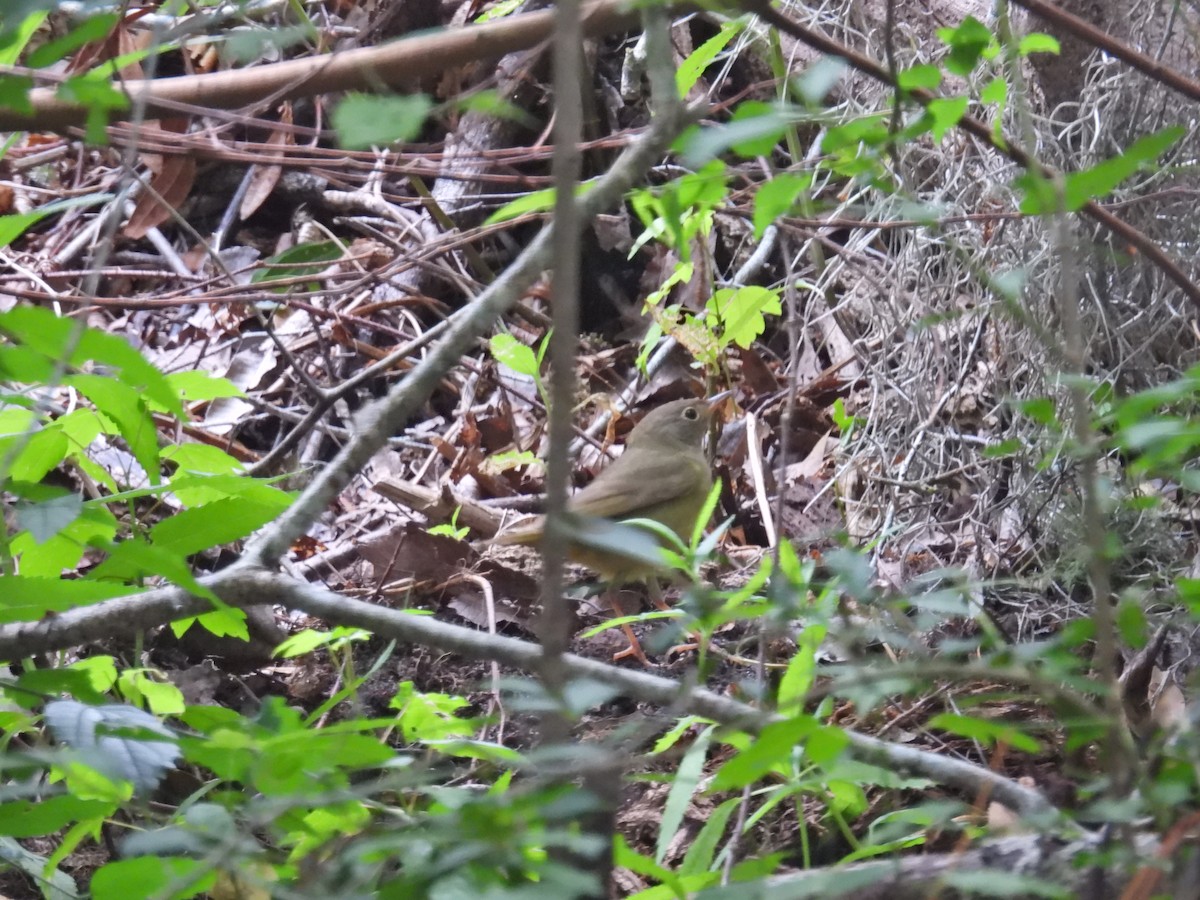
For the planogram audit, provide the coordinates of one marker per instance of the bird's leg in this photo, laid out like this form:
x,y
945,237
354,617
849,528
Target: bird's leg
x,y
634,649
656,597
654,589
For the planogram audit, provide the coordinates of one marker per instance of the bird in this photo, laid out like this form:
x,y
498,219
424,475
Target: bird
x,y
662,475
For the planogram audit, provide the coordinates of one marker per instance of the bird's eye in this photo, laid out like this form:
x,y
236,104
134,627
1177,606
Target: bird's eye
x,y
690,413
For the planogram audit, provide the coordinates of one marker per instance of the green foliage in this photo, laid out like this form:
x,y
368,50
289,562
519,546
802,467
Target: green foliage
x,y
701,58
1042,197
365,120
452,528
968,42
296,262
55,527
514,355
533,202
681,210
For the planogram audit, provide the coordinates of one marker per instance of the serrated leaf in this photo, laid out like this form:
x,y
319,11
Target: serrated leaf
x,y
740,313
123,405
212,525
89,730
202,459
133,559
510,352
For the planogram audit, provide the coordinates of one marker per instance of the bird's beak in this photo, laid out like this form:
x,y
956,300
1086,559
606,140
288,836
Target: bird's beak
x,y
717,399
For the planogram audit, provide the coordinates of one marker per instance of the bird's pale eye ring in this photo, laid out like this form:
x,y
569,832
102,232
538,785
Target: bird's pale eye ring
x,y
690,413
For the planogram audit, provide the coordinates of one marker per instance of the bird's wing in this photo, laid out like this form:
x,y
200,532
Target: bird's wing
x,y
655,478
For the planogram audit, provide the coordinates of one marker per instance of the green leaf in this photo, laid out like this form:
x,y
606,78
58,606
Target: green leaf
x,y
53,883
737,314
124,406
29,598
132,560
1003,883
967,43
20,24
986,731
13,226
227,622
995,92
693,67
366,120
683,786
308,640
945,113
1040,196
534,201
776,198
1131,623
626,857
94,28
772,750
1101,179
200,385
924,76
754,129
95,92
638,540
510,352
144,688
42,453
33,818
1040,409
703,850
428,716
301,261
14,94
212,525
202,459
119,741
499,10
825,744
152,876
802,669
1037,42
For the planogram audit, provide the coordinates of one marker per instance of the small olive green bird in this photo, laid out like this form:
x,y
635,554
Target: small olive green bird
x,y
663,475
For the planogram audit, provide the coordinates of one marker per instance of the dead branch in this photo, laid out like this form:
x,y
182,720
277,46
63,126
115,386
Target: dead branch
x,y
359,69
